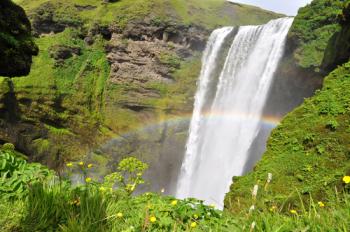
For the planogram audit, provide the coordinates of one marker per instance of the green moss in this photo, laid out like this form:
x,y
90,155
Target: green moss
x,y
58,131
42,145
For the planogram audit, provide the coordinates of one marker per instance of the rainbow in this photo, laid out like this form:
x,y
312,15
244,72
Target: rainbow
x,y
267,120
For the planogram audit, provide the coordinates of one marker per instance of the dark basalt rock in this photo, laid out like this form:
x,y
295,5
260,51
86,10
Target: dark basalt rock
x,y
16,44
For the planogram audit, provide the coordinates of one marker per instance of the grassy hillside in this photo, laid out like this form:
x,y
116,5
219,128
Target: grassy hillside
x,y
311,31
217,12
308,153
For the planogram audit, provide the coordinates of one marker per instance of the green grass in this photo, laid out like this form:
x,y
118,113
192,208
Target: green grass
x,y
218,12
309,151
55,204
312,30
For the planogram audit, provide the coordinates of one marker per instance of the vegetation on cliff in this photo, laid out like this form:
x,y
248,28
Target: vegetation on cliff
x,y
308,153
312,30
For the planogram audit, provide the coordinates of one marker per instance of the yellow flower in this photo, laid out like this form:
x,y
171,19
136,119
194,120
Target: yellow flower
x,y
81,163
174,202
193,224
119,215
76,202
90,166
153,219
69,165
292,211
321,204
273,208
346,179
102,189
88,180
195,216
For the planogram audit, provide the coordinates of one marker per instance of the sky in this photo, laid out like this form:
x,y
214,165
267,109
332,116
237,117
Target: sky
x,y
288,7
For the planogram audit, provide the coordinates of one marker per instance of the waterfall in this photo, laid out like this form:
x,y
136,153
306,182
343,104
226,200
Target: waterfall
x,y
220,135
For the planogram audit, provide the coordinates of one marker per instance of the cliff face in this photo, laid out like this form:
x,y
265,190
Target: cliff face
x,y
16,44
308,153
107,69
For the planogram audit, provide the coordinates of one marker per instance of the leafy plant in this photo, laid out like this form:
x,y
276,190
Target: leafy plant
x,y
128,176
16,174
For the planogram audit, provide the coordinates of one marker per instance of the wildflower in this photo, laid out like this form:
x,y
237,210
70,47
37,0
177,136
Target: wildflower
x,y
252,208
162,190
76,202
90,165
273,208
88,180
255,191
292,211
81,163
119,215
153,219
174,202
269,177
195,216
321,204
346,179
69,165
252,226
193,224
102,189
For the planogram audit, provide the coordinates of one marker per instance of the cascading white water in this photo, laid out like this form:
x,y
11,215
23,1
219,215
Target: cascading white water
x,y
219,138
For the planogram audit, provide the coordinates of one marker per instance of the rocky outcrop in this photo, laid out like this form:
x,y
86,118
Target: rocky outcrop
x,y
53,18
62,52
16,44
146,51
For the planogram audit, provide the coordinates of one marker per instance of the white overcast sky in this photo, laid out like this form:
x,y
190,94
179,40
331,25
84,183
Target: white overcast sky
x,y
288,7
